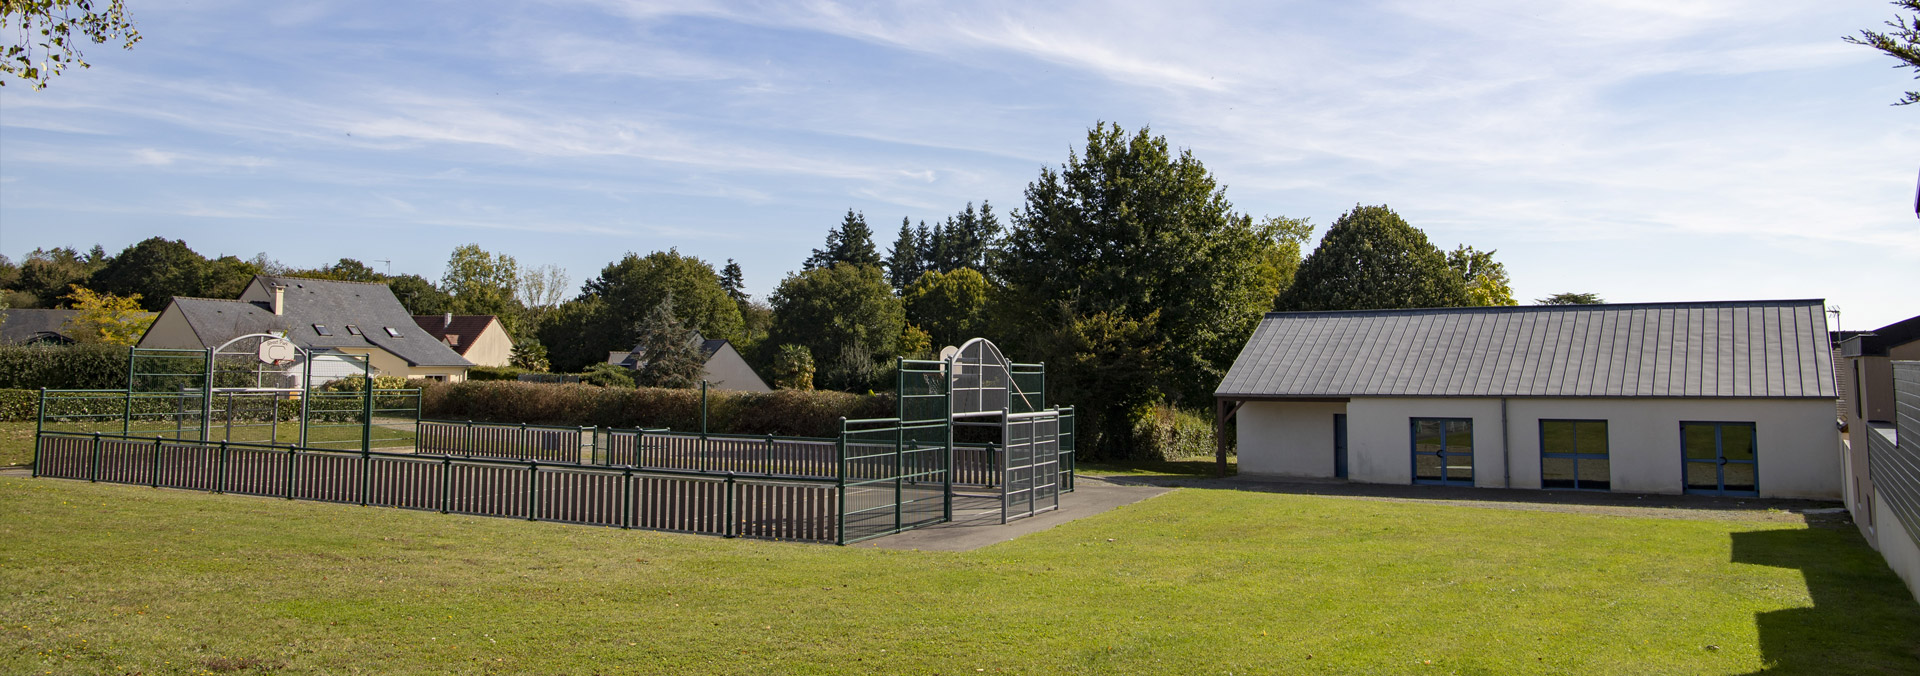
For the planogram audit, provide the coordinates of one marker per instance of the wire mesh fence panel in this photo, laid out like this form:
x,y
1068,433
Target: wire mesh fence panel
x,y
1031,463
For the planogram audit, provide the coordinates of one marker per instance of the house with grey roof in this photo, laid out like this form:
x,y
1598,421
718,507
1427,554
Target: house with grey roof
x,y
482,339
322,315
725,369
1721,398
30,326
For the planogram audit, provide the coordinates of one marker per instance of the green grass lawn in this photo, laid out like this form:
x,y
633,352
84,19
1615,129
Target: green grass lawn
x,y
118,579
16,438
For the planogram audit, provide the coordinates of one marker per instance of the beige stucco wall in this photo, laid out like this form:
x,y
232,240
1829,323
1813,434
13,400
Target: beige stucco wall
x,y
1798,446
493,347
727,370
387,364
170,330
1288,439
1898,546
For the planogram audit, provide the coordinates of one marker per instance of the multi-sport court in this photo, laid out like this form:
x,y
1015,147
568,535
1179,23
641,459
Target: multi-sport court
x,y
256,416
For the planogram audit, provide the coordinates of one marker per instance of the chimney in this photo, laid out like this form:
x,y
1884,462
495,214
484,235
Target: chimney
x,y
446,322
279,299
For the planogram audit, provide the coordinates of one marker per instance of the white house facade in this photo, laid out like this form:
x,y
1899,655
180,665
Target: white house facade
x,y
1731,398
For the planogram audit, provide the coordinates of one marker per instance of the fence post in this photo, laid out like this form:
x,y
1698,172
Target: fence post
x,y
39,425
626,498
946,484
155,479
533,490
366,466
579,436
366,423
227,435
840,450
93,470
126,424
206,399
899,469
293,462
470,438
732,527
220,469
446,482
769,466
306,396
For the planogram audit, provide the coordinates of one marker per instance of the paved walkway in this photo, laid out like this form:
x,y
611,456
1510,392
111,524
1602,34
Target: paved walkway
x,y
976,520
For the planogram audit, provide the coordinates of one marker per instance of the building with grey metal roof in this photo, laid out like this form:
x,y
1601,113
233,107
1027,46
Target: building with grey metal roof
x,y
1649,397
317,314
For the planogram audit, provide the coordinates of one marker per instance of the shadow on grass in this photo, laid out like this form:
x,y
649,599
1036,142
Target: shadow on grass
x,y
1862,620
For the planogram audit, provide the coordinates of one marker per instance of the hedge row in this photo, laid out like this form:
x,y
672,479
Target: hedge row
x,y
24,405
1166,433
63,367
808,413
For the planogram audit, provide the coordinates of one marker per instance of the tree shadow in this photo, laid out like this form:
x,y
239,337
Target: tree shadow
x,y
1862,621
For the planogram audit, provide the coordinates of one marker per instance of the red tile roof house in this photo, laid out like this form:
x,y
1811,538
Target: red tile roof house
x,y
479,338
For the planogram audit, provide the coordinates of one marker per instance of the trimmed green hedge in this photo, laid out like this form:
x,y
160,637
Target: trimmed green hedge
x,y
806,413
63,367
18,405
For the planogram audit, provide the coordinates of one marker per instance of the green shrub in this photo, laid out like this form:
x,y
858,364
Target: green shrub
x,y
495,373
784,412
1162,432
18,405
607,375
63,367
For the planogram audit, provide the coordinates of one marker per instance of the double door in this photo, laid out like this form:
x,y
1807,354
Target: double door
x,y
1443,451
1720,458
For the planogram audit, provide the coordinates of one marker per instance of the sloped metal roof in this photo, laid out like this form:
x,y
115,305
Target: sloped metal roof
x,y
1713,349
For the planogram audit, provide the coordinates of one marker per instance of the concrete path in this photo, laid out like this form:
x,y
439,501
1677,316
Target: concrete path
x,y
976,521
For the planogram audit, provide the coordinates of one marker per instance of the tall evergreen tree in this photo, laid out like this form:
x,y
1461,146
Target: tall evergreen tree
x,y
733,282
1372,259
903,260
670,353
851,243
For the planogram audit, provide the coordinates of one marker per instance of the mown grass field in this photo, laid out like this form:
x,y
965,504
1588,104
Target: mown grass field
x,y
119,579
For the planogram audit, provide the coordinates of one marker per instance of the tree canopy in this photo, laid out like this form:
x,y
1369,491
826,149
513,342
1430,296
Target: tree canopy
x,y
1372,259
1571,298
1902,43
106,318
669,352
846,316
1484,277
49,34
603,320
1132,250
851,242
950,306
480,283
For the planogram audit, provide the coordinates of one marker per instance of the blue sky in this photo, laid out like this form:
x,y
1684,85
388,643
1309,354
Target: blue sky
x,y
1645,150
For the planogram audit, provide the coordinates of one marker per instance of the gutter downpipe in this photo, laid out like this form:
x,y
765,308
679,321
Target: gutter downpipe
x,y
1506,449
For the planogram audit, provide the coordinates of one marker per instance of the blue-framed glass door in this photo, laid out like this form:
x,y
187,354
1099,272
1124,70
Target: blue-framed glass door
x,y
1339,445
1720,458
1443,451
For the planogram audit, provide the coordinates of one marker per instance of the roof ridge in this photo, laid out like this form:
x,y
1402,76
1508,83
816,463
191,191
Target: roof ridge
x,y
320,279
223,300
1555,308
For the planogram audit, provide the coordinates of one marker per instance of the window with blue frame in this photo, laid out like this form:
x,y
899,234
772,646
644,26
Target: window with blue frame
x,y
1573,454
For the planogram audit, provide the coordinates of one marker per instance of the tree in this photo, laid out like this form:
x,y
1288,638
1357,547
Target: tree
x,y
851,242
529,355
793,368
106,318
1131,249
45,274
345,270
226,277
50,34
670,352
542,288
480,283
418,295
1902,43
964,240
846,316
1372,259
904,263
1485,278
1571,298
156,270
604,318
733,282
951,306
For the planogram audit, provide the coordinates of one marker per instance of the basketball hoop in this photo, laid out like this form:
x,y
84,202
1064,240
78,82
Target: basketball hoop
x,y
277,351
